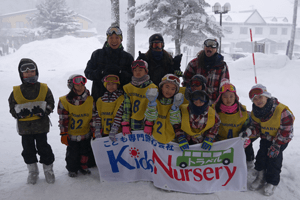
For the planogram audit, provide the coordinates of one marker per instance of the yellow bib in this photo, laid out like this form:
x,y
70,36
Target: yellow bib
x,y
20,99
79,116
185,122
231,124
271,126
182,91
107,112
138,100
163,130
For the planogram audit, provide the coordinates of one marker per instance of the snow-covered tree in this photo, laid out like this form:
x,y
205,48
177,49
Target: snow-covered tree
x,y
56,19
131,27
115,12
185,21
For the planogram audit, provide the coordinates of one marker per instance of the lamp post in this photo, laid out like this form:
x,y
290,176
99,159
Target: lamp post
x,y
217,9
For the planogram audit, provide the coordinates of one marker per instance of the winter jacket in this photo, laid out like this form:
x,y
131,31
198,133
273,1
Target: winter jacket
x,y
158,69
214,72
105,59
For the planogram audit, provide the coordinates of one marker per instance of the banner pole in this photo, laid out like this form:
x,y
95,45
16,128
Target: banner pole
x,y
253,56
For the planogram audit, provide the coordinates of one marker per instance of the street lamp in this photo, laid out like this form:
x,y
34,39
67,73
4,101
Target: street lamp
x,y
217,9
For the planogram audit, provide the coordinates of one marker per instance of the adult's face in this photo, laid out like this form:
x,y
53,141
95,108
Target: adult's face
x,y
209,51
114,41
157,45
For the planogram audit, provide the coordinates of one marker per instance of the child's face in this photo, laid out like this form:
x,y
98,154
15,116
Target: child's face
x,y
260,101
114,41
29,73
111,87
168,90
195,87
228,98
79,88
139,72
198,103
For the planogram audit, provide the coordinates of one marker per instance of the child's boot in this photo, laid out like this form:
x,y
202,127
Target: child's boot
x,y
84,168
259,181
49,174
269,189
33,173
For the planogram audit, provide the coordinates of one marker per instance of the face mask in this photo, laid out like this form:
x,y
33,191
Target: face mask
x,y
31,79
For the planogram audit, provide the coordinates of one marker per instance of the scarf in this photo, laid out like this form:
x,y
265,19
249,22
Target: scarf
x,y
197,110
228,109
32,79
139,81
264,111
157,55
210,61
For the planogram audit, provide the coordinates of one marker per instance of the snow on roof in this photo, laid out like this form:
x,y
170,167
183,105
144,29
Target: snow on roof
x,y
19,12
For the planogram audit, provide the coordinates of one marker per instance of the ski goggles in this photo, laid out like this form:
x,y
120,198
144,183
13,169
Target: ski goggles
x,y
139,63
255,92
199,95
111,78
211,43
27,66
227,87
157,44
79,79
195,83
171,78
112,30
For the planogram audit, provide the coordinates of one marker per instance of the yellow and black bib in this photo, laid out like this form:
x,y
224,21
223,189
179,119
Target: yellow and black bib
x,y
271,126
231,124
79,116
185,122
138,100
163,130
107,112
182,91
20,99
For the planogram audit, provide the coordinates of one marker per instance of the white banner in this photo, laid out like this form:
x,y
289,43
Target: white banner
x,y
139,157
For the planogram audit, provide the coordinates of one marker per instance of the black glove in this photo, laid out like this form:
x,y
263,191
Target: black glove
x,y
177,61
38,111
23,113
142,56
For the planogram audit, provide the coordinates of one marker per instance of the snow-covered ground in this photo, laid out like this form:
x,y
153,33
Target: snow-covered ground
x,y
57,59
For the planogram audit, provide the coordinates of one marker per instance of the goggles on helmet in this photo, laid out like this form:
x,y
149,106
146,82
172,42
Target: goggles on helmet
x,y
211,43
79,79
111,78
254,92
139,63
171,78
27,66
112,30
195,83
199,95
227,87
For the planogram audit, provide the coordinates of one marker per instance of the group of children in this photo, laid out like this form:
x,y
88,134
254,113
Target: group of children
x,y
166,112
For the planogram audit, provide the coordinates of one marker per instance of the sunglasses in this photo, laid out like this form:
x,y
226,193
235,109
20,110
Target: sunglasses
x,y
198,95
79,79
211,43
255,91
227,87
112,78
113,30
139,63
196,83
171,78
27,66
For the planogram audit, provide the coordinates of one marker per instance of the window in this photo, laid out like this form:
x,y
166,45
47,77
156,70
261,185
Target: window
x,y
259,30
6,25
20,25
243,30
228,30
273,31
284,31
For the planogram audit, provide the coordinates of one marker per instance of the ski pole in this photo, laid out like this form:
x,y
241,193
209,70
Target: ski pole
x,y
253,56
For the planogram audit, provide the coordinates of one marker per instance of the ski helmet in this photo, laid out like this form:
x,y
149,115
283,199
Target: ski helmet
x,y
70,83
156,37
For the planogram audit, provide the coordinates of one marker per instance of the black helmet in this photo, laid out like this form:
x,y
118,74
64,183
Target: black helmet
x,y
155,37
200,78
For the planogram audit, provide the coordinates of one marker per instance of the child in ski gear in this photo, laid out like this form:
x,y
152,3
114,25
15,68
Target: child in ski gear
x,y
199,122
235,119
163,112
110,108
135,101
273,122
31,103
77,114
211,65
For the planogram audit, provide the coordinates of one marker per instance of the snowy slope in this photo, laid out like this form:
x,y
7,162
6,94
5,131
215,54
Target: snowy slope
x,y
57,59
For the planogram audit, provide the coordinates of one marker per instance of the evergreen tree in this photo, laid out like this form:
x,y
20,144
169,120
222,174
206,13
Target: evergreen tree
x,y
56,19
185,21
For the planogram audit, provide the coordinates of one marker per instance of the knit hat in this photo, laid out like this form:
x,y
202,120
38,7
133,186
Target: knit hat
x,y
198,77
114,29
259,89
225,86
170,78
156,37
111,78
139,63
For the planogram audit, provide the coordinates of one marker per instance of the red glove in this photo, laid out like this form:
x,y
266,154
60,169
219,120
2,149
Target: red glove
x,y
148,127
64,138
126,128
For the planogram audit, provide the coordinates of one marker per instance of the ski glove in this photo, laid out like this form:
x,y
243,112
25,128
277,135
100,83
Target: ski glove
x,y
246,133
273,151
64,138
38,111
178,100
112,133
126,128
142,56
207,143
151,95
177,61
178,73
183,143
148,128
23,113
